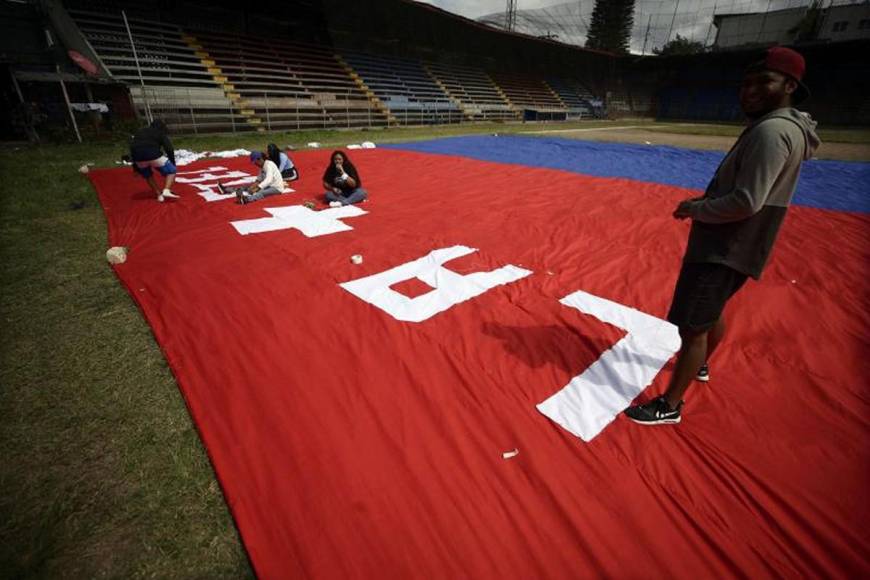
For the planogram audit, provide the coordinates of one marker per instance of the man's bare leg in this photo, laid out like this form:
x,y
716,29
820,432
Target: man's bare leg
x,y
153,183
167,192
693,353
715,336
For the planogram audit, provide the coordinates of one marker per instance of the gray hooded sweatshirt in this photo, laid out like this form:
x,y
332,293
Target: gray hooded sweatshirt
x,y
737,220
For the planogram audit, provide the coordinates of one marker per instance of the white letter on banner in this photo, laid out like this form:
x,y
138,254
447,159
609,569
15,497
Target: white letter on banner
x,y
208,179
214,177
206,170
449,288
588,403
311,223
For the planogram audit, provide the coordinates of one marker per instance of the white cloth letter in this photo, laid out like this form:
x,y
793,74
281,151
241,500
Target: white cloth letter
x,y
449,288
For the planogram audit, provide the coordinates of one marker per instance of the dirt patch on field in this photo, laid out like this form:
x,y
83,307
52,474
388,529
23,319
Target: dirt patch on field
x,y
838,151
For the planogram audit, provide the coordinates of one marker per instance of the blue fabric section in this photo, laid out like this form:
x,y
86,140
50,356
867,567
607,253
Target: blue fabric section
x,y
167,169
835,185
143,171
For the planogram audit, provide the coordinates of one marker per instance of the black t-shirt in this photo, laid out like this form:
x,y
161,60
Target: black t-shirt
x,y
150,143
331,176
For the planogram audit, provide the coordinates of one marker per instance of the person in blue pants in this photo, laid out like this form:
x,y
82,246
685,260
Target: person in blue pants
x,y
268,182
282,160
150,148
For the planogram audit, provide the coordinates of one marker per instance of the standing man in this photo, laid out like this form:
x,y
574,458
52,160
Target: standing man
x,y
151,148
735,223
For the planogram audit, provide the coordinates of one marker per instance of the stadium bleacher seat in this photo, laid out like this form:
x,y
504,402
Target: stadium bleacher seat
x,y
202,76
404,86
289,85
473,90
577,98
526,92
178,86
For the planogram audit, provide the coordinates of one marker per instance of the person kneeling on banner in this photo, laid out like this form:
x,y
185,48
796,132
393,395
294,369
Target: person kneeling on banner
x,y
268,182
150,148
342,182
283,161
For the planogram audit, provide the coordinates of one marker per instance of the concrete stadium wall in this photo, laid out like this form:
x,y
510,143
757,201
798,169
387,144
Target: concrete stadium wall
x,y
704,87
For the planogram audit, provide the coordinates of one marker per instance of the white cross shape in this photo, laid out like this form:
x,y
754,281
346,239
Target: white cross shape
x,y
298,217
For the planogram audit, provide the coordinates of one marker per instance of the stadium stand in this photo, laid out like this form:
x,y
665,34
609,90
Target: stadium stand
x,y
404,86
576,97
175,84
529,93
200,77
285,85
473,90
221,66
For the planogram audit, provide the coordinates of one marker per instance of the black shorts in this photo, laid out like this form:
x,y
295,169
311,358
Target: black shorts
x,y
701,293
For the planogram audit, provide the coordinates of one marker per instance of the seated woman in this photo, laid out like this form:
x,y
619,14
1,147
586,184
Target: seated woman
x,y
342,182
268,182
283,161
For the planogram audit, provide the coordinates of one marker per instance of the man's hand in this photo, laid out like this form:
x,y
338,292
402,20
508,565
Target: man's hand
x,y
684,208
254,189
336,190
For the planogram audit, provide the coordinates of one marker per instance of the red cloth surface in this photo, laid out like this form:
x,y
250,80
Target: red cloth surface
x,y
351,445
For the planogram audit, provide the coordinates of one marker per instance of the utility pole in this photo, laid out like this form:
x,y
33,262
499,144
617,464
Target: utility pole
x,y
138,68
763,22
710,29
646,36
510,15
671,29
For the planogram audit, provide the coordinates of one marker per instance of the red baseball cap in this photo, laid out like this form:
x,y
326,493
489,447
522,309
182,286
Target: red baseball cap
x,y
788,62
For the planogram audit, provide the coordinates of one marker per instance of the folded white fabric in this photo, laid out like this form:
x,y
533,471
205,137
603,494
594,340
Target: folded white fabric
x,y
185,156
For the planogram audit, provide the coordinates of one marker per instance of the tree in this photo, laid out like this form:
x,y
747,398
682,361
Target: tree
x,y
680,45
808,28
611,25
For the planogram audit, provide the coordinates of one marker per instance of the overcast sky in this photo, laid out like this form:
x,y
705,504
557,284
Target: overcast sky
x,y
476,8
655,21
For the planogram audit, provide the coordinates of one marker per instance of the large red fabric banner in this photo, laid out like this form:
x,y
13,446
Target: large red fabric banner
x,y
449,407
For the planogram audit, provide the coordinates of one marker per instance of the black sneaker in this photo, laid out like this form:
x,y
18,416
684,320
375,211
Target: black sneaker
x,y
703,373
221,188
656,412
240,197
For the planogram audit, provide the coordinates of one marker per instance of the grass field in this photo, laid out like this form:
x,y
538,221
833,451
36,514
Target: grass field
x,y
103,473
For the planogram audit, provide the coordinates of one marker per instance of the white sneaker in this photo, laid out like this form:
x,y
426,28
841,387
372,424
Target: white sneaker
x,y
160,198
167,193
335,204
